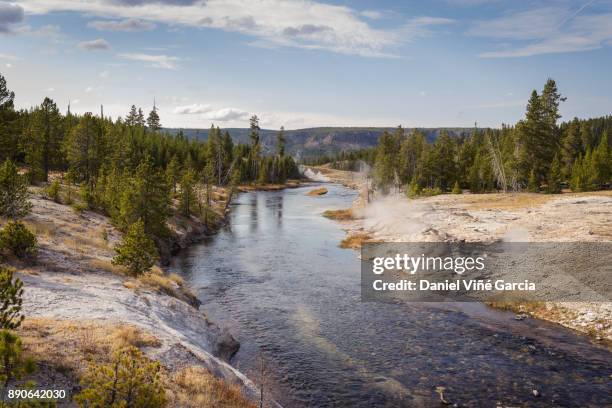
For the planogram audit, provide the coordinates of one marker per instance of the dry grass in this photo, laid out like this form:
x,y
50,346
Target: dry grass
x,y
354,241
317,192
42,228
346,214
72,345
196,387
172,285
509,201
107,266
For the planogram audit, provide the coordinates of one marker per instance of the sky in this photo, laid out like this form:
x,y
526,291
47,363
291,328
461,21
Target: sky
x,y
306,63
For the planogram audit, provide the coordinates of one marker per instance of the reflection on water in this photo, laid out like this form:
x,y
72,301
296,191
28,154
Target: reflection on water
x,y
276,277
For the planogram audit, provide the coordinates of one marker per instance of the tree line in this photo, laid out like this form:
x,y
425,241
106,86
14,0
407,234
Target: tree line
x,y
129,168
536,154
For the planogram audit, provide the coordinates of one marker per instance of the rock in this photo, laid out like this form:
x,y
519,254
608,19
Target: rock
x,y
521,316
535,393
227,346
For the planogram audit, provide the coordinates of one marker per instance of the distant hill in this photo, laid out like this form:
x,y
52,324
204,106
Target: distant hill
x,y
317,141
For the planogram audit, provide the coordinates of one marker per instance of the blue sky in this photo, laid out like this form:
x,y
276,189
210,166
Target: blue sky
x,y
309,63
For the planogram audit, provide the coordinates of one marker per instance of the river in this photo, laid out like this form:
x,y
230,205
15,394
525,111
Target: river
x,y
277,279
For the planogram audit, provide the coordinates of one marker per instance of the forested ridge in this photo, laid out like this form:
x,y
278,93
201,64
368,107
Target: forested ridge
x,y
536,154
129,168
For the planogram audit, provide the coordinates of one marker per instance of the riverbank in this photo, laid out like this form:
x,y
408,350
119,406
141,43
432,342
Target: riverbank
x,y
78,307
525,217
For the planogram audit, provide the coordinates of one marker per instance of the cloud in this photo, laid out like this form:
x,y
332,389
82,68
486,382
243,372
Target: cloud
x,y
129,24
10,14
9,57
210,113
545,30
192,109
155,61
373,14
99,44
307,24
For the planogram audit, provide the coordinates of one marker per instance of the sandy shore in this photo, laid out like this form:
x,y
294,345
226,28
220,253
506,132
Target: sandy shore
x,y
518,217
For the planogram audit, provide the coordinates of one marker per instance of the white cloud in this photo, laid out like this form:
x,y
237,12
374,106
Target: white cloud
x,y
545,31
193,109
305,24
99,44
9,57
129,24
155,61
8,65
208,112
104,74
51,89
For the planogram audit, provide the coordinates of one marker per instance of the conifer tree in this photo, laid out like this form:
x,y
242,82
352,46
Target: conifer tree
x,y
13,366
153,122
146,197
132,117
137,252
8,135
45,137
533,186
11,293
130,380
280,142
255,146
14,201
187,192
554,177
173,174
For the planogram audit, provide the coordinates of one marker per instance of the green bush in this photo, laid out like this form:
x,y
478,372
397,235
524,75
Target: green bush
x,y
13,192
457,188
137,252
53,191
13,366
429,192
413,190
11,292
16,237
129,380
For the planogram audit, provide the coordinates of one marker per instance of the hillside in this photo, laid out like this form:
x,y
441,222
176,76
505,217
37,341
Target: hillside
x,y
317,141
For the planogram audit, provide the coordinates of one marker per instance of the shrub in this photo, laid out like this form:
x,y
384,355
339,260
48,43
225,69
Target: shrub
x,y
413,189
456,188
12,364
53,191
11,292
137,252
431,191
16,237
129,380
13,192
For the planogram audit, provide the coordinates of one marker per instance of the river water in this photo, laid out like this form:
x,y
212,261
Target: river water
x,y
278,280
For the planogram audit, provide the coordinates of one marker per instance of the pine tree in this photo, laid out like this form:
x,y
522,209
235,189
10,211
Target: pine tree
x,y
280,142
173,173
45,137
571,146
533,186
554,177
13,192
83,148
132,117
13,366
129,380
146,197
8,135
11,293
385,164
140,120
456,188
255,146
137,252
187,192
153,120
601,161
